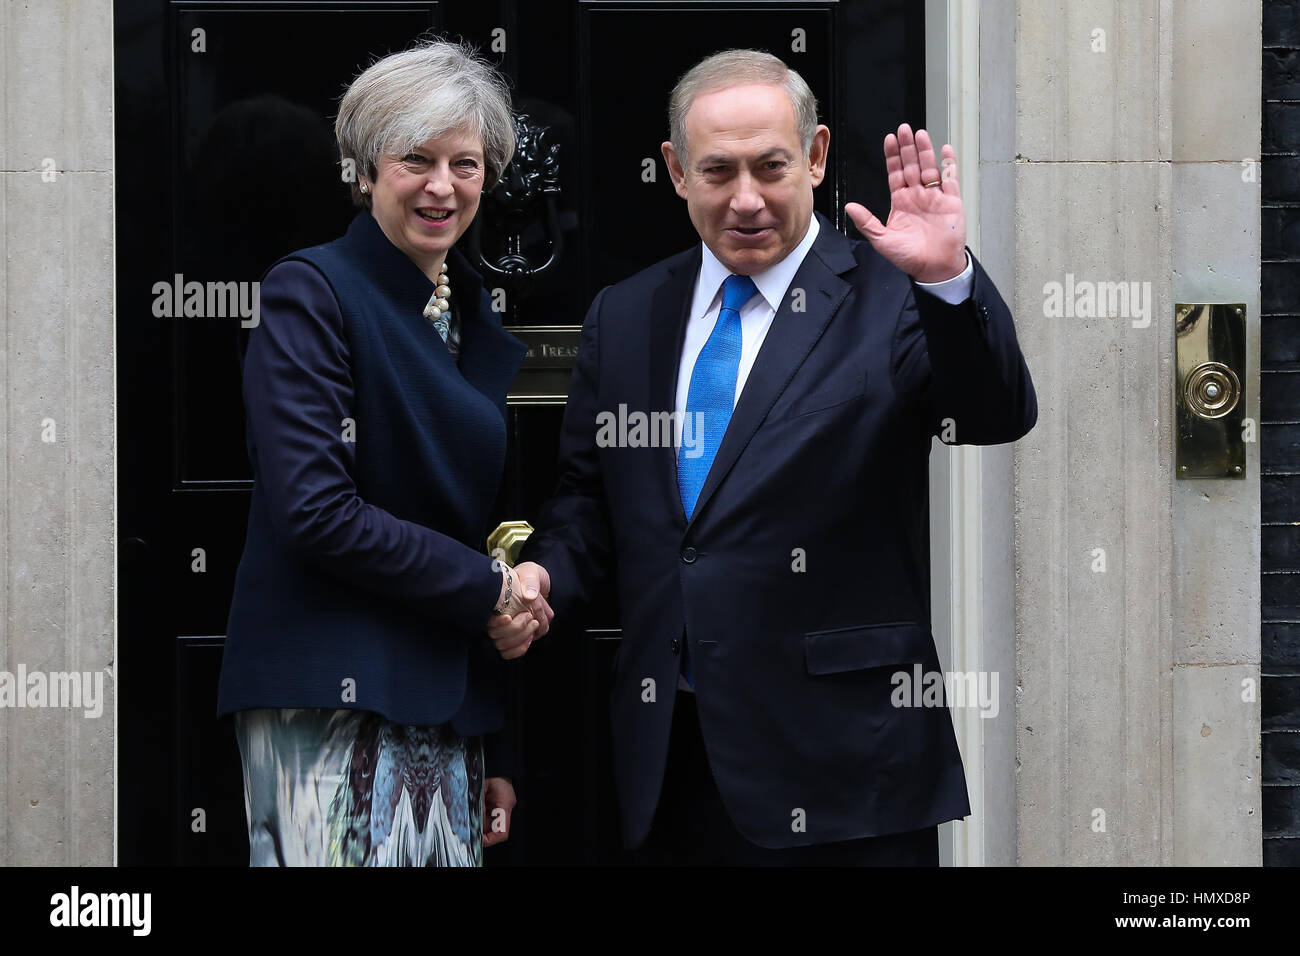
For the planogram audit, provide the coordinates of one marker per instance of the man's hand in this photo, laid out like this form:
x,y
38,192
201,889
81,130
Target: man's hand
x,y
498,802
926,232
535,587
529,614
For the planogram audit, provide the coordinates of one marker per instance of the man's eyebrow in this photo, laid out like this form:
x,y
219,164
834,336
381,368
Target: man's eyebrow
x,y
713,160
776,152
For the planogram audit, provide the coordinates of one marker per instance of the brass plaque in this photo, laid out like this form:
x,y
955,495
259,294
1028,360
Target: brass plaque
x,y
1210,390
544,377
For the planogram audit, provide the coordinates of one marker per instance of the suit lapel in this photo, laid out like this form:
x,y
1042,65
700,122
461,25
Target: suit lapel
x,y
489,355
789,340
669,309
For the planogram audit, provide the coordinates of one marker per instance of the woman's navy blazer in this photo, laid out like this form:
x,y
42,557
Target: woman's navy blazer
x,y
376,459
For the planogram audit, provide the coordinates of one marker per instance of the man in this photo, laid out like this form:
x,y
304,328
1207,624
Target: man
x,y
772,567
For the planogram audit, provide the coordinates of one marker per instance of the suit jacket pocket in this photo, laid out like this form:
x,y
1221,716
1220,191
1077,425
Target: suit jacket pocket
x,y
829,396
866,645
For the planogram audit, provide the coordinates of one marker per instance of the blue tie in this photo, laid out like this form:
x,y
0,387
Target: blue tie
x,y
709,402
712,393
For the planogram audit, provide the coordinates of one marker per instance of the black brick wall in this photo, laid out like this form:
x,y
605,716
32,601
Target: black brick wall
x,y
1280,432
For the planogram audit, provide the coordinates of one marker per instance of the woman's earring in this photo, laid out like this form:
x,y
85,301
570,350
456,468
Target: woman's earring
x,y
365,188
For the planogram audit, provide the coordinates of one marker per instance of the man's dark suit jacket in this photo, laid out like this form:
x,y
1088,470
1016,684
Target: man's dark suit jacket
x,y
365,558
802,580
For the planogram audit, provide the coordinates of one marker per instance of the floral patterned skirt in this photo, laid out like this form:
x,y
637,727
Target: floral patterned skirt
x,y
351,788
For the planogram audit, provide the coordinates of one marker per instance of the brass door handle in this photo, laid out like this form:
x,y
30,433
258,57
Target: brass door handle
x,y
504,543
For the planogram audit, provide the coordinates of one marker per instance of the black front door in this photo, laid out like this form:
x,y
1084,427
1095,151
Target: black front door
x,y
226,161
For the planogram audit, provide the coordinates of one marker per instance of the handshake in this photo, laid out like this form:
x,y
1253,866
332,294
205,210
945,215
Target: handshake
x,y
524,616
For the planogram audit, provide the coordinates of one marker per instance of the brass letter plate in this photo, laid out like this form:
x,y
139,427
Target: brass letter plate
x,y
548,365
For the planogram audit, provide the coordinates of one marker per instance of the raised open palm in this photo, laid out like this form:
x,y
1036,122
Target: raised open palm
x,y
925,234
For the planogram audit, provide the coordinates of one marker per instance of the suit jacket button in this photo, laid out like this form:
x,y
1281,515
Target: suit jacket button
x,y
689,555
677,645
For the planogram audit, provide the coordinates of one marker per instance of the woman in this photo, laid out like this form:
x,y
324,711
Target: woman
x,y
356,661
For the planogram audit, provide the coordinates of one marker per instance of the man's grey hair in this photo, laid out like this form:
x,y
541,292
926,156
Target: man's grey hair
x,y
422,93
739,68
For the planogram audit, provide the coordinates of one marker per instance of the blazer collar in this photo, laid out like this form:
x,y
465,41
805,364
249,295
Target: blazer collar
x,y
385,264
789,340
489,355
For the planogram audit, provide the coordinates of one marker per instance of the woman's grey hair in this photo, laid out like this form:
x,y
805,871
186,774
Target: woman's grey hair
x,y
738,68
419,94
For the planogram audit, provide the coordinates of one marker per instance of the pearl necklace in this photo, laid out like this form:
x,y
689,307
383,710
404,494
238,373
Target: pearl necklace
x,y
442,295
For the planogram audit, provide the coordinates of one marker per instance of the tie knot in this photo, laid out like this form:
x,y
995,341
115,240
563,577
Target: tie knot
x,y
736,291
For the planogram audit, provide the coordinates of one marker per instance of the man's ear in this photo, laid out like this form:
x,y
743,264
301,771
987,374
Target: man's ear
x,y
821,142
675,171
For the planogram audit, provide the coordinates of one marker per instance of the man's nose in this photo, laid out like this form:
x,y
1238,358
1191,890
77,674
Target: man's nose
x,y
747,200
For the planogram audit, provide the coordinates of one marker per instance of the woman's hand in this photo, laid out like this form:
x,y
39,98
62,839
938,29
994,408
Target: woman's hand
x,y
528,616
498,802
513,635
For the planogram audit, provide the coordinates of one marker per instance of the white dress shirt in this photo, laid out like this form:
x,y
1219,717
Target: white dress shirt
x,y
757,314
